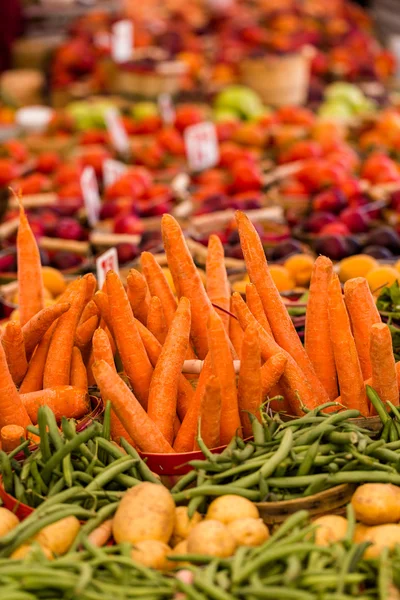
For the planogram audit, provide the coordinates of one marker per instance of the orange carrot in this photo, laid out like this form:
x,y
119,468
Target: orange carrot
x,y
158,285
156,322
102,348
58,363
30,280
296,387
187,434
138,294
271,372
217,284
100,536
223,368
14,347
210,414
130,412
249,385
318,342
11,437
164,384
89,363
363,314
384,379
235,333
12,411
369,382
78,370
91,285
90,310
187,280
63,400
130,346
153,349
254,303
102,303
35,328
278,317
33,380
85,331
348,368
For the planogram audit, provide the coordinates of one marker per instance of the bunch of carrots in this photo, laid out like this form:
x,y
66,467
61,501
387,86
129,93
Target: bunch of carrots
x,y
54,354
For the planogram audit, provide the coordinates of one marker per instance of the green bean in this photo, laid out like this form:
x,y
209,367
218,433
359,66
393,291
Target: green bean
x,y
393,435
190,592
339,438
19,449
377,404
384,575
6,472
37,478
294,569
364,477
385,431
102,515
257,429
119,466
68,428
184,481
67,470
144,471
196,502
211,590
308,462
276,593
245,454
56,488
19,490
216,490
54,432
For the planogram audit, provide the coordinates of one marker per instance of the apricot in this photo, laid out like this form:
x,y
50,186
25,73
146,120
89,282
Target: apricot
x,y
300,268
382,276
282,278
53,281
356,266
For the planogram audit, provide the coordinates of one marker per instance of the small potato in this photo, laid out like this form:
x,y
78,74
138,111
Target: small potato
x,y
331,528
152,553
360,532
26,549
7,521
181,548
183,525
381,536
59,536
146,512
377,503
230,508
212,538
249,532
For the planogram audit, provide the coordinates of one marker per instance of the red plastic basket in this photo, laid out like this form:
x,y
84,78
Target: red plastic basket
x,y
174,463
18,508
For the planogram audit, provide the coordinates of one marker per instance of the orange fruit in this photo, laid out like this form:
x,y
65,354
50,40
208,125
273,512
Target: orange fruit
x,y
53,281
282,278
356,266
300,267
381,277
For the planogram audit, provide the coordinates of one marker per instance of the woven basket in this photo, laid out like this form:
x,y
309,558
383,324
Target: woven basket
x,y
165,79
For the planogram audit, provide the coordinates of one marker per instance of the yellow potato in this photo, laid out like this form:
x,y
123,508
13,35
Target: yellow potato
x,y
181,548
59,536
212,538
230,508
7,521
146,512
152,553
377,503
249,532
381,536
183,525
360,532
26,549
330,529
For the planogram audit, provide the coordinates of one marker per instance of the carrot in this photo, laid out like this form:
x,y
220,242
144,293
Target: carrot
x,y
12,411
235,333
85,331
134,418
89,373
30,280
278,317
249,385
78,375
164,383
130,346
217,284
210,414
91,285
102,348
158,285
254,303
100,536
296,387
58,363
318,342
384,380
369,382
33,379
138,294
14,347
222,364
35,328
90,310
271,372
63,400
344,349
187,433
187,280
156,322
101,300
153,349
363,314
11,437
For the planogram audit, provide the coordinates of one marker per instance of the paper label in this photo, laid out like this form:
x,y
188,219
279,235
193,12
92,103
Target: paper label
x,y
108,261
201,146
116,129
91,196
166,108
122,41
112,171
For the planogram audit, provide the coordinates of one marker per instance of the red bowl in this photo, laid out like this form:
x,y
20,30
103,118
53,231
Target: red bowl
x,y
18,508
174,463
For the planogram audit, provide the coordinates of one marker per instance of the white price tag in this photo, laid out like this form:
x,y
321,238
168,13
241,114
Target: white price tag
x,y
112,171
122,41
201,146
166,108
116,129
91,196
108,261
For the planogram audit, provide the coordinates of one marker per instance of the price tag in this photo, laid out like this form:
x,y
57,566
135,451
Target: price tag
x,y
112,171
122,38
201,146
116,129
91,196
166,108
108,261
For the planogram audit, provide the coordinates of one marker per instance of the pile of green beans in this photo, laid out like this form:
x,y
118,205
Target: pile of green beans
x,y
388,414
292,459
66,459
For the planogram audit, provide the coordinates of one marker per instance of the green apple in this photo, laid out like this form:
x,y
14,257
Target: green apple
x,y
225,114
336,109
143,110
240,99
